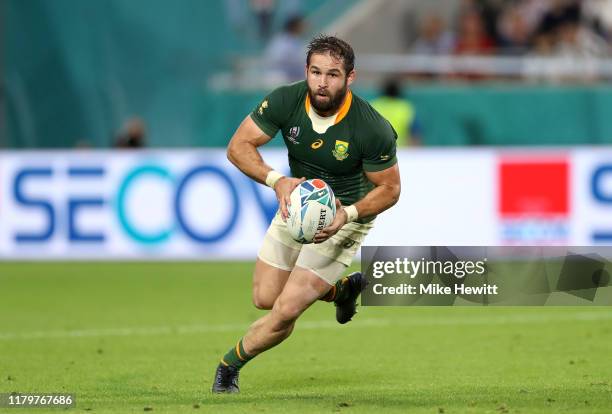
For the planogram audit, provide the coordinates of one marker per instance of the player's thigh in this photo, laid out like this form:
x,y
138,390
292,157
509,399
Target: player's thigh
x,y
330,259
275,261
324,267
268,283
302,289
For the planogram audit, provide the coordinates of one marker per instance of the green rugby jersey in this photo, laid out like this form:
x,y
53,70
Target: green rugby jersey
x,y
359,140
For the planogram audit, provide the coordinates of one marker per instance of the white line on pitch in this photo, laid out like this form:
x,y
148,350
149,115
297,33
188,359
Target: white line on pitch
x,y
311,325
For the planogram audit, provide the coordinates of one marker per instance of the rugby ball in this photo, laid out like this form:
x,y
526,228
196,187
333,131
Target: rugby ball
x,y
313,207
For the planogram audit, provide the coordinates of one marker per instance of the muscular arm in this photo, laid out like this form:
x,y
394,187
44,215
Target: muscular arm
x,y
242,150
385,193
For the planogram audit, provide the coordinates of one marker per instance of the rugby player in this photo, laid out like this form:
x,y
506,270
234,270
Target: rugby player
x,y
330,134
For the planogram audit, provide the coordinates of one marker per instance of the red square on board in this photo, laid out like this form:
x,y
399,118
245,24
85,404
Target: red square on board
x,y
534,187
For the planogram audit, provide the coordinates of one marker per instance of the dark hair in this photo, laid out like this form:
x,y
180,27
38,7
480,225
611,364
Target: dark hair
x,y
337,48
392,88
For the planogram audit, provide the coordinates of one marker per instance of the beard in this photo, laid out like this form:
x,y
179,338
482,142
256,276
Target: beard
x,y
329,105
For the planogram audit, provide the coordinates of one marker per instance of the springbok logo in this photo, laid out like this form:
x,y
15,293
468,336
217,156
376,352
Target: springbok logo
x,y
341,150
264,105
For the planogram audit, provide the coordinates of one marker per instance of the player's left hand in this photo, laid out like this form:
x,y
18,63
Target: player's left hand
x,y
339,221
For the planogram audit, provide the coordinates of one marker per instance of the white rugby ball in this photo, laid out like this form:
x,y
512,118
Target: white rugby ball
x,y
313,207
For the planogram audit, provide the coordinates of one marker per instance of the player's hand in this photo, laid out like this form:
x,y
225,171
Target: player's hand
x,y
283,189
339,221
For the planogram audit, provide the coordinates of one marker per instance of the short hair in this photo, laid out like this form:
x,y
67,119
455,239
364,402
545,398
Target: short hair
x,y
392,88
336,47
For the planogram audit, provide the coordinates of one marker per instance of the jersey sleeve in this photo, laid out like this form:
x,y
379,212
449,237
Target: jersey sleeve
x,y
379,151
269,114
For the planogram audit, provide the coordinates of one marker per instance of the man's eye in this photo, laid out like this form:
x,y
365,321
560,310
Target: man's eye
x,y
334,75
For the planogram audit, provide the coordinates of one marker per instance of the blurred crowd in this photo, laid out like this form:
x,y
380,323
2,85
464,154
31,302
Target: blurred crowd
x,y
574,32
579,28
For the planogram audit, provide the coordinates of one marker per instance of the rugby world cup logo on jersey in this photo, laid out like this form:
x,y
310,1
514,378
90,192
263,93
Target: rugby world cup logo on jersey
x,y
340,150
293,134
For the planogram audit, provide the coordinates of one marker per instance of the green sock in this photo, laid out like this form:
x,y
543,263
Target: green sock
x,y
236,356
338,292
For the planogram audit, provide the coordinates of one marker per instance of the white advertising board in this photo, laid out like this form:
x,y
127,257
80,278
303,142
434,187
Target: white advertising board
x,y
194,205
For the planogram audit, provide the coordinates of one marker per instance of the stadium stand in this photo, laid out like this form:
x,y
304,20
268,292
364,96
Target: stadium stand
x,y
79,72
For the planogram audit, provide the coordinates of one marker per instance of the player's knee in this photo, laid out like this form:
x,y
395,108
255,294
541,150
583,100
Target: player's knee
x,y
262,303
263,299
287,312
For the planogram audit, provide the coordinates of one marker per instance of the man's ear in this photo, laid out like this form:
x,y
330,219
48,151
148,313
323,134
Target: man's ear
x,y
350,78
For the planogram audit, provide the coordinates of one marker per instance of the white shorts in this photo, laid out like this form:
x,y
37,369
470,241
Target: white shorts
x,y
328,260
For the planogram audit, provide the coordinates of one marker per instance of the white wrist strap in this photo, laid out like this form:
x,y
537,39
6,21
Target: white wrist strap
x,y
272,178
351,213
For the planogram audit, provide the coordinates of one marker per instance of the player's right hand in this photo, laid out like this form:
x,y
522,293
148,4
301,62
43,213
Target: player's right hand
x,y
283,189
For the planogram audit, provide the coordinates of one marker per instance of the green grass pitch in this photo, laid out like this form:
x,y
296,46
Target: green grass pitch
x,y
134,337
